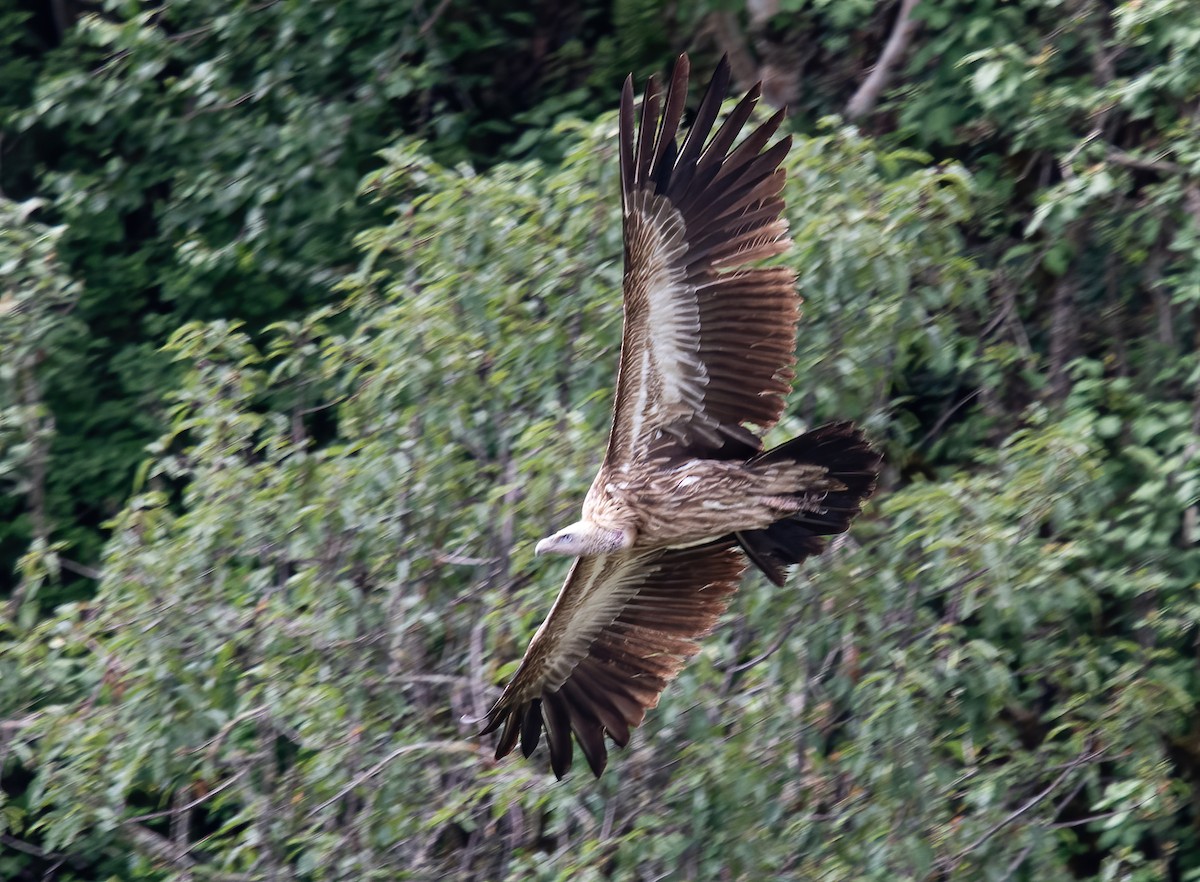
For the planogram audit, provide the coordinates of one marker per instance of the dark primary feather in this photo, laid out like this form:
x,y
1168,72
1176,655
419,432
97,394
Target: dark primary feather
x,y
680,595
727,201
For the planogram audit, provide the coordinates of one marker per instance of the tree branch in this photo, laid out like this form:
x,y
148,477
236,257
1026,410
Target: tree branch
x,y
16,725
1087,756
456,746
1064,324
428,24
1158,166
80,569
728,36
769,651
187,807
868,93
159,846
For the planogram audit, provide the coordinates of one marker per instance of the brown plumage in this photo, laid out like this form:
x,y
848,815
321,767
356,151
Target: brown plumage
x,y
685,493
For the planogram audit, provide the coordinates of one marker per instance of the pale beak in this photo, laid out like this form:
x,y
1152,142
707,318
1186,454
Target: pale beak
x,y
544,546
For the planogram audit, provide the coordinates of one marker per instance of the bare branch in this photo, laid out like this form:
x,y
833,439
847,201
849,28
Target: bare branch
x,y
732,42
1064,325
462,560
868,93
14,726
1159,166
176,810
165,850
21,845
770,650
214,744
946,415
1085,757
450,746
428,24
80,569
159,846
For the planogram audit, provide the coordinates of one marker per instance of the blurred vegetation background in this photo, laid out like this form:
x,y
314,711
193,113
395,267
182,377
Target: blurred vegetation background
x,y
309,318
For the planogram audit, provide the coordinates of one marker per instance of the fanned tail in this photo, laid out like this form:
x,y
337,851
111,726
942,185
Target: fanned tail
x,y
845,452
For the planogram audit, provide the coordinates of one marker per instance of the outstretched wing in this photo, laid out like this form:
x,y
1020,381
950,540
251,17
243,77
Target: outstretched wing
x,y
621,629
707,345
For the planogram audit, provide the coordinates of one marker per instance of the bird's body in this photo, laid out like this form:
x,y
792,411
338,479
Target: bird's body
x,y
677,504
686,494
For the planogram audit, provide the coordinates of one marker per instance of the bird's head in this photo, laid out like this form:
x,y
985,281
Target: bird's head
x,y
583,538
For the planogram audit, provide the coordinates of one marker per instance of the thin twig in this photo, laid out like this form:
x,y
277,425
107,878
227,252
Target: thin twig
x,y
454,746
1064,164
1086,756
1159,166
195,803
215,742
14,726
1016,863
945,417
80,569
428,24
1104,816
770,650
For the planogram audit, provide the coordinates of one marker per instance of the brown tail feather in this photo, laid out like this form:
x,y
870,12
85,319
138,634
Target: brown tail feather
x,y
849,457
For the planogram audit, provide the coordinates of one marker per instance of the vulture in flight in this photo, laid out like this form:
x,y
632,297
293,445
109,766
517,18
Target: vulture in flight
x,y
686,494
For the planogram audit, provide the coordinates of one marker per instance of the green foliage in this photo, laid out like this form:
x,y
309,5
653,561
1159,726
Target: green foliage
x,y
37,300
1091,104
325,567
16,68
204,159
222,185
296,648
880,265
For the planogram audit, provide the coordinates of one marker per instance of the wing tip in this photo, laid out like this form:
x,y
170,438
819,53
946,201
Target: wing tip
x,y
683,66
